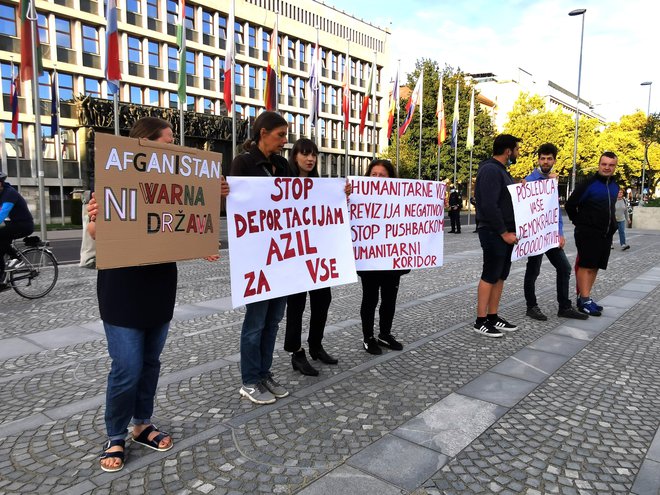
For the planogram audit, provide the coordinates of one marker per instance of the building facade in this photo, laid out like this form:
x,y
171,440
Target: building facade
x,y
73,40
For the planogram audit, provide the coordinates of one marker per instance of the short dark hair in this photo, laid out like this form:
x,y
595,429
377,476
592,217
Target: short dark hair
x,y
266,120
303,145
391,171
504,142
149,128
547,149
608,154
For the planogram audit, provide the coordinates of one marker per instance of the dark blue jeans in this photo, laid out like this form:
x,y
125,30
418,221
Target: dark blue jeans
x,y
262,320
558,259
133,377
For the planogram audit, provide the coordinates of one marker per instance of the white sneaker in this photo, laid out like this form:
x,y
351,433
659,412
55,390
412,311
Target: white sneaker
x,y
257,393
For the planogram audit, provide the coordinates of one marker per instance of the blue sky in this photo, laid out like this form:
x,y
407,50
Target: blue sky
x,y
621,42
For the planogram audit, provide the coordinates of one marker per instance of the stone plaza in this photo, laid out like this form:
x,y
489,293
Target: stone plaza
x,y
561,406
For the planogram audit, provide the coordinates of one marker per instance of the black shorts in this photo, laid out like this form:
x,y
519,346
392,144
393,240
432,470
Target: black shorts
x,y
497,256
593,248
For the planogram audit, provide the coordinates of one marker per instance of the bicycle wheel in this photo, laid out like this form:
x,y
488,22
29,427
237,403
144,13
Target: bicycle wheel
x,y
38,275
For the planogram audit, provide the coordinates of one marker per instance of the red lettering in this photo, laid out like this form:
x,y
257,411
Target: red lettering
x,y
262,284
321,269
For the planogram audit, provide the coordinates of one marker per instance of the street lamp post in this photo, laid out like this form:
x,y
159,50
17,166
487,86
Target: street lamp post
x,y
646,151
577,102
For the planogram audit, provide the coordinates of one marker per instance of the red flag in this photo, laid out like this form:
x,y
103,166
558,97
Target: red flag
x,y
229,60
112,67
272,73
365,101
346,91
27,24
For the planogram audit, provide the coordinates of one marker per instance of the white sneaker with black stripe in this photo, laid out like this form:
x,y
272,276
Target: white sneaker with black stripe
x,y
487,329
503,325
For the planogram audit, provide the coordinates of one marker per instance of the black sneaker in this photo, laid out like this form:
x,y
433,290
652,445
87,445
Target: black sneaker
x,y
487,329
372,347
572,313
501,324
535,313
388,341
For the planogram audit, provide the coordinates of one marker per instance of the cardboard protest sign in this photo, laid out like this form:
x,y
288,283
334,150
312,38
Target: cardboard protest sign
x,y
536,208
157,202
397,223
287,235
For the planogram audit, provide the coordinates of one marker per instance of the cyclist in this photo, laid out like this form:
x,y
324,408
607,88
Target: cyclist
x,y
15,221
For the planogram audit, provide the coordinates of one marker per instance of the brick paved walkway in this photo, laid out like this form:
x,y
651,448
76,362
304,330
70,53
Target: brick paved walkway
x,y
560,406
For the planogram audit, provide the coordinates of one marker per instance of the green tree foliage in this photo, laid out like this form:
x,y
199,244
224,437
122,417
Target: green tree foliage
x,y
650,135
534,124
409,143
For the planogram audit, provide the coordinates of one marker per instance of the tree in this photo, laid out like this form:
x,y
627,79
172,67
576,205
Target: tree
x,y
409,151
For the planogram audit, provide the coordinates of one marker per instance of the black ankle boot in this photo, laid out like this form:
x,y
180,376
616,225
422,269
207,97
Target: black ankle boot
x,y
320,354
299,363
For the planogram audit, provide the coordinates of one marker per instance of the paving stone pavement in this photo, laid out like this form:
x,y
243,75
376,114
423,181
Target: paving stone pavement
x,y
561,406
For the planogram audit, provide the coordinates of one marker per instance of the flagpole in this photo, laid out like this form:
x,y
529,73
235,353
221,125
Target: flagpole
x,y
347,124
421,113
277,58
439,106
455,139
183,67
397,123
56,140
315,92
470,143
233,81
16,81
373,108
37,122
470,189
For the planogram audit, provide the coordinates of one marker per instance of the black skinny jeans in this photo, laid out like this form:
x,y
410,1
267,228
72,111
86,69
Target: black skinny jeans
x,y
387,283
319,302
558,259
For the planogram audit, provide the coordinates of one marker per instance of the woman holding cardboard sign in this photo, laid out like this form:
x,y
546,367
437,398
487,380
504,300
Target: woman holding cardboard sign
x,y
136,305
302,163
385,282
262,159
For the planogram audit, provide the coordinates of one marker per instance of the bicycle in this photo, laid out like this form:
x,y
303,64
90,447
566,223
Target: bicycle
x,y
33,271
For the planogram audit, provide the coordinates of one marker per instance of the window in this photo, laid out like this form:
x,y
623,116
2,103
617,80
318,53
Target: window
x,y
222,28
172,58
291,86
301,88
238,33
301,51
252,36
133,6
14,147
67,141
291,50
301,125
154,54
207,23
208,106
323,92
209,67
92,87
6,78
44,86
90,39
221,66
174,99
333,96
190,63
265,41
8,20
151,97
252,77
43,29
135,94
333,62
238,75
190,103
65,86
172,10
63,32
134,50
189,21
152,9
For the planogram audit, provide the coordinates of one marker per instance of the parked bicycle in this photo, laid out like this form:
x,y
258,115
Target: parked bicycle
x,y
32,273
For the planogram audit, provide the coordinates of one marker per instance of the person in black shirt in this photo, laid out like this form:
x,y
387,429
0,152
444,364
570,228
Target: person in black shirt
x,y
15,220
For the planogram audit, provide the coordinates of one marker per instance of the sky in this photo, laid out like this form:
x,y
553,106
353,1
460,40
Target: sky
x,y
621,42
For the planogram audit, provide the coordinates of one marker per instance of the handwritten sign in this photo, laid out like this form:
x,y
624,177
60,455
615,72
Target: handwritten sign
x,y
536,208
157,202
287,235
397,224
